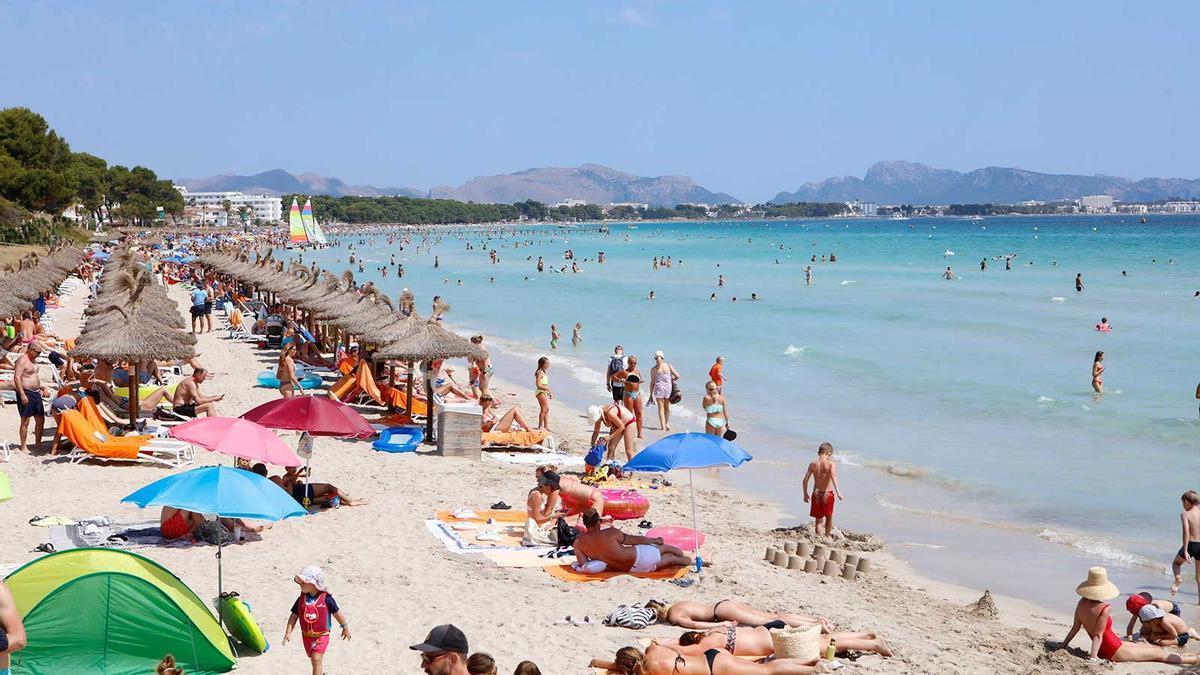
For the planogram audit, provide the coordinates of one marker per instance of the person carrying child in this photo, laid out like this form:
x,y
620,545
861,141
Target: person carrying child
x,y
313,611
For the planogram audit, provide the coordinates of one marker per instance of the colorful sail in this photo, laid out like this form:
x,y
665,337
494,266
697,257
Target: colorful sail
x,y
296,224
310,224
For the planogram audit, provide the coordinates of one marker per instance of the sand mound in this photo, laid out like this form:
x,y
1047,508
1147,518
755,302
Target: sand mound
x,y
843,539
984,607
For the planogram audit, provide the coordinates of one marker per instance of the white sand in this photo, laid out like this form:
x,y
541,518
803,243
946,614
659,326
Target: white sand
x,y
394,580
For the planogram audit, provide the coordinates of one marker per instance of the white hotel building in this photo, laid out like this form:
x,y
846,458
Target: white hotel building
x,y
208,208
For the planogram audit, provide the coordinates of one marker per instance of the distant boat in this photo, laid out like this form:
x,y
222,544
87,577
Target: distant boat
x,y
311,228
975,218
296,224
898,216
1143,219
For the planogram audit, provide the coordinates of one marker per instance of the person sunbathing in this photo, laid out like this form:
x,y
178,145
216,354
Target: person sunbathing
x,y
756,641
598,550
504,422
149,403
444,384
318,494
705,615
189,402
178,523
660,659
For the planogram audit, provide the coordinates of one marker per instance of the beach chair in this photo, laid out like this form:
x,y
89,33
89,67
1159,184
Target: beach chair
x,y
92,442
540,440
237,327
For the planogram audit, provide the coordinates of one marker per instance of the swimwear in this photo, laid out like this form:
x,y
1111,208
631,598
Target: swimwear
x,y
186,409
33,405
662,385
618,394
175,527
1110,642
776,624
710,656
822,504
646,558
730,639
1193,550
716,418
1175,609
715,617
632,395
1182,639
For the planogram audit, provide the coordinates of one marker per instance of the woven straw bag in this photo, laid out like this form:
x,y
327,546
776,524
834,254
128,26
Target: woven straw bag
x,y
797,643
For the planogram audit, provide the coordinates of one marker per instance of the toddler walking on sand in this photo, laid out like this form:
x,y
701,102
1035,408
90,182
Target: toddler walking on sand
x,y
313,610
825,488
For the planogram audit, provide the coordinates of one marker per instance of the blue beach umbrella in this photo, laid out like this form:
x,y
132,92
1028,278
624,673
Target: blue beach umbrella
x,y
221,491
689,451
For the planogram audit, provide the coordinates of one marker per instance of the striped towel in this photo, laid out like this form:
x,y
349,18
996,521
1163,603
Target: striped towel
x,y
631,616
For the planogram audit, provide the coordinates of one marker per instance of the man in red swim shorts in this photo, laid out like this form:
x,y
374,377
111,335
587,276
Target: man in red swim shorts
x,y
825,489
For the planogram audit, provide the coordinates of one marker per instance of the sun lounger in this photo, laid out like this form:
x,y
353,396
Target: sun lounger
x,y
538,439
93,443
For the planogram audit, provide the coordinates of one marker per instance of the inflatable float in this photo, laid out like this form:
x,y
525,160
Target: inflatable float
x,y
683,538
399,439
239,619
307,380
619,504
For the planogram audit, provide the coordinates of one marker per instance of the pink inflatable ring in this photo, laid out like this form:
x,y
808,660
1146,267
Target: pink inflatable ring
x,y
681,537
618,504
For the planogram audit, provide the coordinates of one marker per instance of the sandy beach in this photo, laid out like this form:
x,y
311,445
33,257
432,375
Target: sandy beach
x,y
394,580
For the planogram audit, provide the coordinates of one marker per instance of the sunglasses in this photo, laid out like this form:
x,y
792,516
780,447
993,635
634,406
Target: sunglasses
x,y
430,658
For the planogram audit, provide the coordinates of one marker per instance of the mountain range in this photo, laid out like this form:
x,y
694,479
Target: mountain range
x,y
590,183
913,183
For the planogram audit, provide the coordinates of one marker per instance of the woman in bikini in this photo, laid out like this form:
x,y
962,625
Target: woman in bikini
x,y
756,641
483,365
503,422
178,523
704,615
541,383
620,423
633,392
662,383
661,659
1094,616
1098,373
285,372
716,415
572,487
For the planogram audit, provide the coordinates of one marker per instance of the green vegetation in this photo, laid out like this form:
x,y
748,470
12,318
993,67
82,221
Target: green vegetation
x,y
40,177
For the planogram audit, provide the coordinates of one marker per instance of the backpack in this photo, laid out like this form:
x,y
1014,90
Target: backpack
x,y
564,534
615,364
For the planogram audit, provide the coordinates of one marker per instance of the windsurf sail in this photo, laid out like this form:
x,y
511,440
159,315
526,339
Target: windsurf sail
x,y
310,224
296,224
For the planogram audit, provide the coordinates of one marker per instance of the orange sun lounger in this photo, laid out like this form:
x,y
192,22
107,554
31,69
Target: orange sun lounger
x,y
79,430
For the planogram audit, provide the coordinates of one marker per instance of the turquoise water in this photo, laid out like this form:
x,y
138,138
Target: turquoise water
x,y
964,401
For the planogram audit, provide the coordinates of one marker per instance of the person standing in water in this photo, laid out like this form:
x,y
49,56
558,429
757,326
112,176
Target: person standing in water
x,y
553,336
948,275
983,265
1098,373
1189,521
662,385
1078,283
577,334
808,275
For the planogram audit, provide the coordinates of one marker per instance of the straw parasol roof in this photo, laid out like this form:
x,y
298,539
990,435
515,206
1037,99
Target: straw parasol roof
x,y
34,274
429,341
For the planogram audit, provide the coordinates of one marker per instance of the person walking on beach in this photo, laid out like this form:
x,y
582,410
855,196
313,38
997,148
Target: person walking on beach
x,y
825,488
199,297
30,404
633,392
662,388
716,411
577,334
541,383
1098,373
1078,283
285,372
616,366
315,610
1189,525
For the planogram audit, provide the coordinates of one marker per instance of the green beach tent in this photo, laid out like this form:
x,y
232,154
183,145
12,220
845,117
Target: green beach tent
x,y
97,610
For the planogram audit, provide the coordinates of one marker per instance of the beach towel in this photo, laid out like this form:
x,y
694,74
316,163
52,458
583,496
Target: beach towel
x,y
395,397
517,439
482,515
528,557
77,429
557,458
567,573
631,616
473,537
94,532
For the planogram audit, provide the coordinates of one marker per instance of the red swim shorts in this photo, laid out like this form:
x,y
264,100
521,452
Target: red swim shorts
x,y
821,505
316,645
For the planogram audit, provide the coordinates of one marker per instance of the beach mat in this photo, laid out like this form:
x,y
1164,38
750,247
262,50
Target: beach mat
x,y
482,516
115,535
567,573
465,541
531,458
531,557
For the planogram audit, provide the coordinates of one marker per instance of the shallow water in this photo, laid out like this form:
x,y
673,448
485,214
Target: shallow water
x,y
962,406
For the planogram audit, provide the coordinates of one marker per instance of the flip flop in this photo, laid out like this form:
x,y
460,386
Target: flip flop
x,y
500,506
45,548
645,524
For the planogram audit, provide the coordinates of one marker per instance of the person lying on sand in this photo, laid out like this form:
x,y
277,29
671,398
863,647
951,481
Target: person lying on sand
x,y
704,615
1093,615
659,659
598,550
756,641
317,494
1136,602
178,523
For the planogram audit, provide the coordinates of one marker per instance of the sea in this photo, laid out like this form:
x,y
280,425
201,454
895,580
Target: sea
x,y
961,410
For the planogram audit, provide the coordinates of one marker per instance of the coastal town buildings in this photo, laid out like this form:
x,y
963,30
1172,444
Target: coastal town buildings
x,y
208,208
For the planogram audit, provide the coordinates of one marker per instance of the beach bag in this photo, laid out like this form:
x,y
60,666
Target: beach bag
x,y
676,395
631,616
797,643
565,534
595,456
211,530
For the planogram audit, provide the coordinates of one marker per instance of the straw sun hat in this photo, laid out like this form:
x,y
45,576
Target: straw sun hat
x,y
1097,586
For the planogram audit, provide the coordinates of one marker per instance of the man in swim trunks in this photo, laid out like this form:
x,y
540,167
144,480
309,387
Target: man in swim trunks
x,y
1189,522
598,550
188,401
29,390
12,630
825,488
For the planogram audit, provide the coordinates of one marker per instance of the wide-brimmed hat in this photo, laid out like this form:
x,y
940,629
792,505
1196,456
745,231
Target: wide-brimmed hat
x,y
1097,586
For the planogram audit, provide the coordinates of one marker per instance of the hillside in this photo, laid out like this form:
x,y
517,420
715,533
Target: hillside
x,y
279,182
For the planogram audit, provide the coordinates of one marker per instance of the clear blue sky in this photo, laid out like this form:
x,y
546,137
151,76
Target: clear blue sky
x,y
748,97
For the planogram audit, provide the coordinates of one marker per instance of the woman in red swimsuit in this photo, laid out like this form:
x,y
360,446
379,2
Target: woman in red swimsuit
x,y
1094,616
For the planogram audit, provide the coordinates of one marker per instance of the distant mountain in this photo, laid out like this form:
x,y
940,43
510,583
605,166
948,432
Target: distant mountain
x,y
589,182
912,183
278,182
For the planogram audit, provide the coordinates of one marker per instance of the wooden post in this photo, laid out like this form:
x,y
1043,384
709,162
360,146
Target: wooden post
x,y
134,385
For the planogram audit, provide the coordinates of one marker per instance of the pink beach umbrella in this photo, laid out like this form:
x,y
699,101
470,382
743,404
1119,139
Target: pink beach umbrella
x,y
237,437
317,415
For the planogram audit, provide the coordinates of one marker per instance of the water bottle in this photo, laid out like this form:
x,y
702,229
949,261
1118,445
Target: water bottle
x,y
831,650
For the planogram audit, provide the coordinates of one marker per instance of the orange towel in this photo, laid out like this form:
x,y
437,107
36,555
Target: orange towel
x,y
566,573
512,516
344,388
515,438
366,381
79,431
395,397
347,364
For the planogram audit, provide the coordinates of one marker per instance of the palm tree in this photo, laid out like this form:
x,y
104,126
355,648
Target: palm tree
x,y
243,211
228,207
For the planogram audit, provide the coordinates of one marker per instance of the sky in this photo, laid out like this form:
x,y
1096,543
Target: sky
x,y
749,98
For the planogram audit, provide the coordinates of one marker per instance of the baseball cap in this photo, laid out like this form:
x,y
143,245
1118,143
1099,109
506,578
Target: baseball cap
x,y
1136,602
444,638
1150,613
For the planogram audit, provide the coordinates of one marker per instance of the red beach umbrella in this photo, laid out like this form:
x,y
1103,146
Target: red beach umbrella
x,y
317,415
